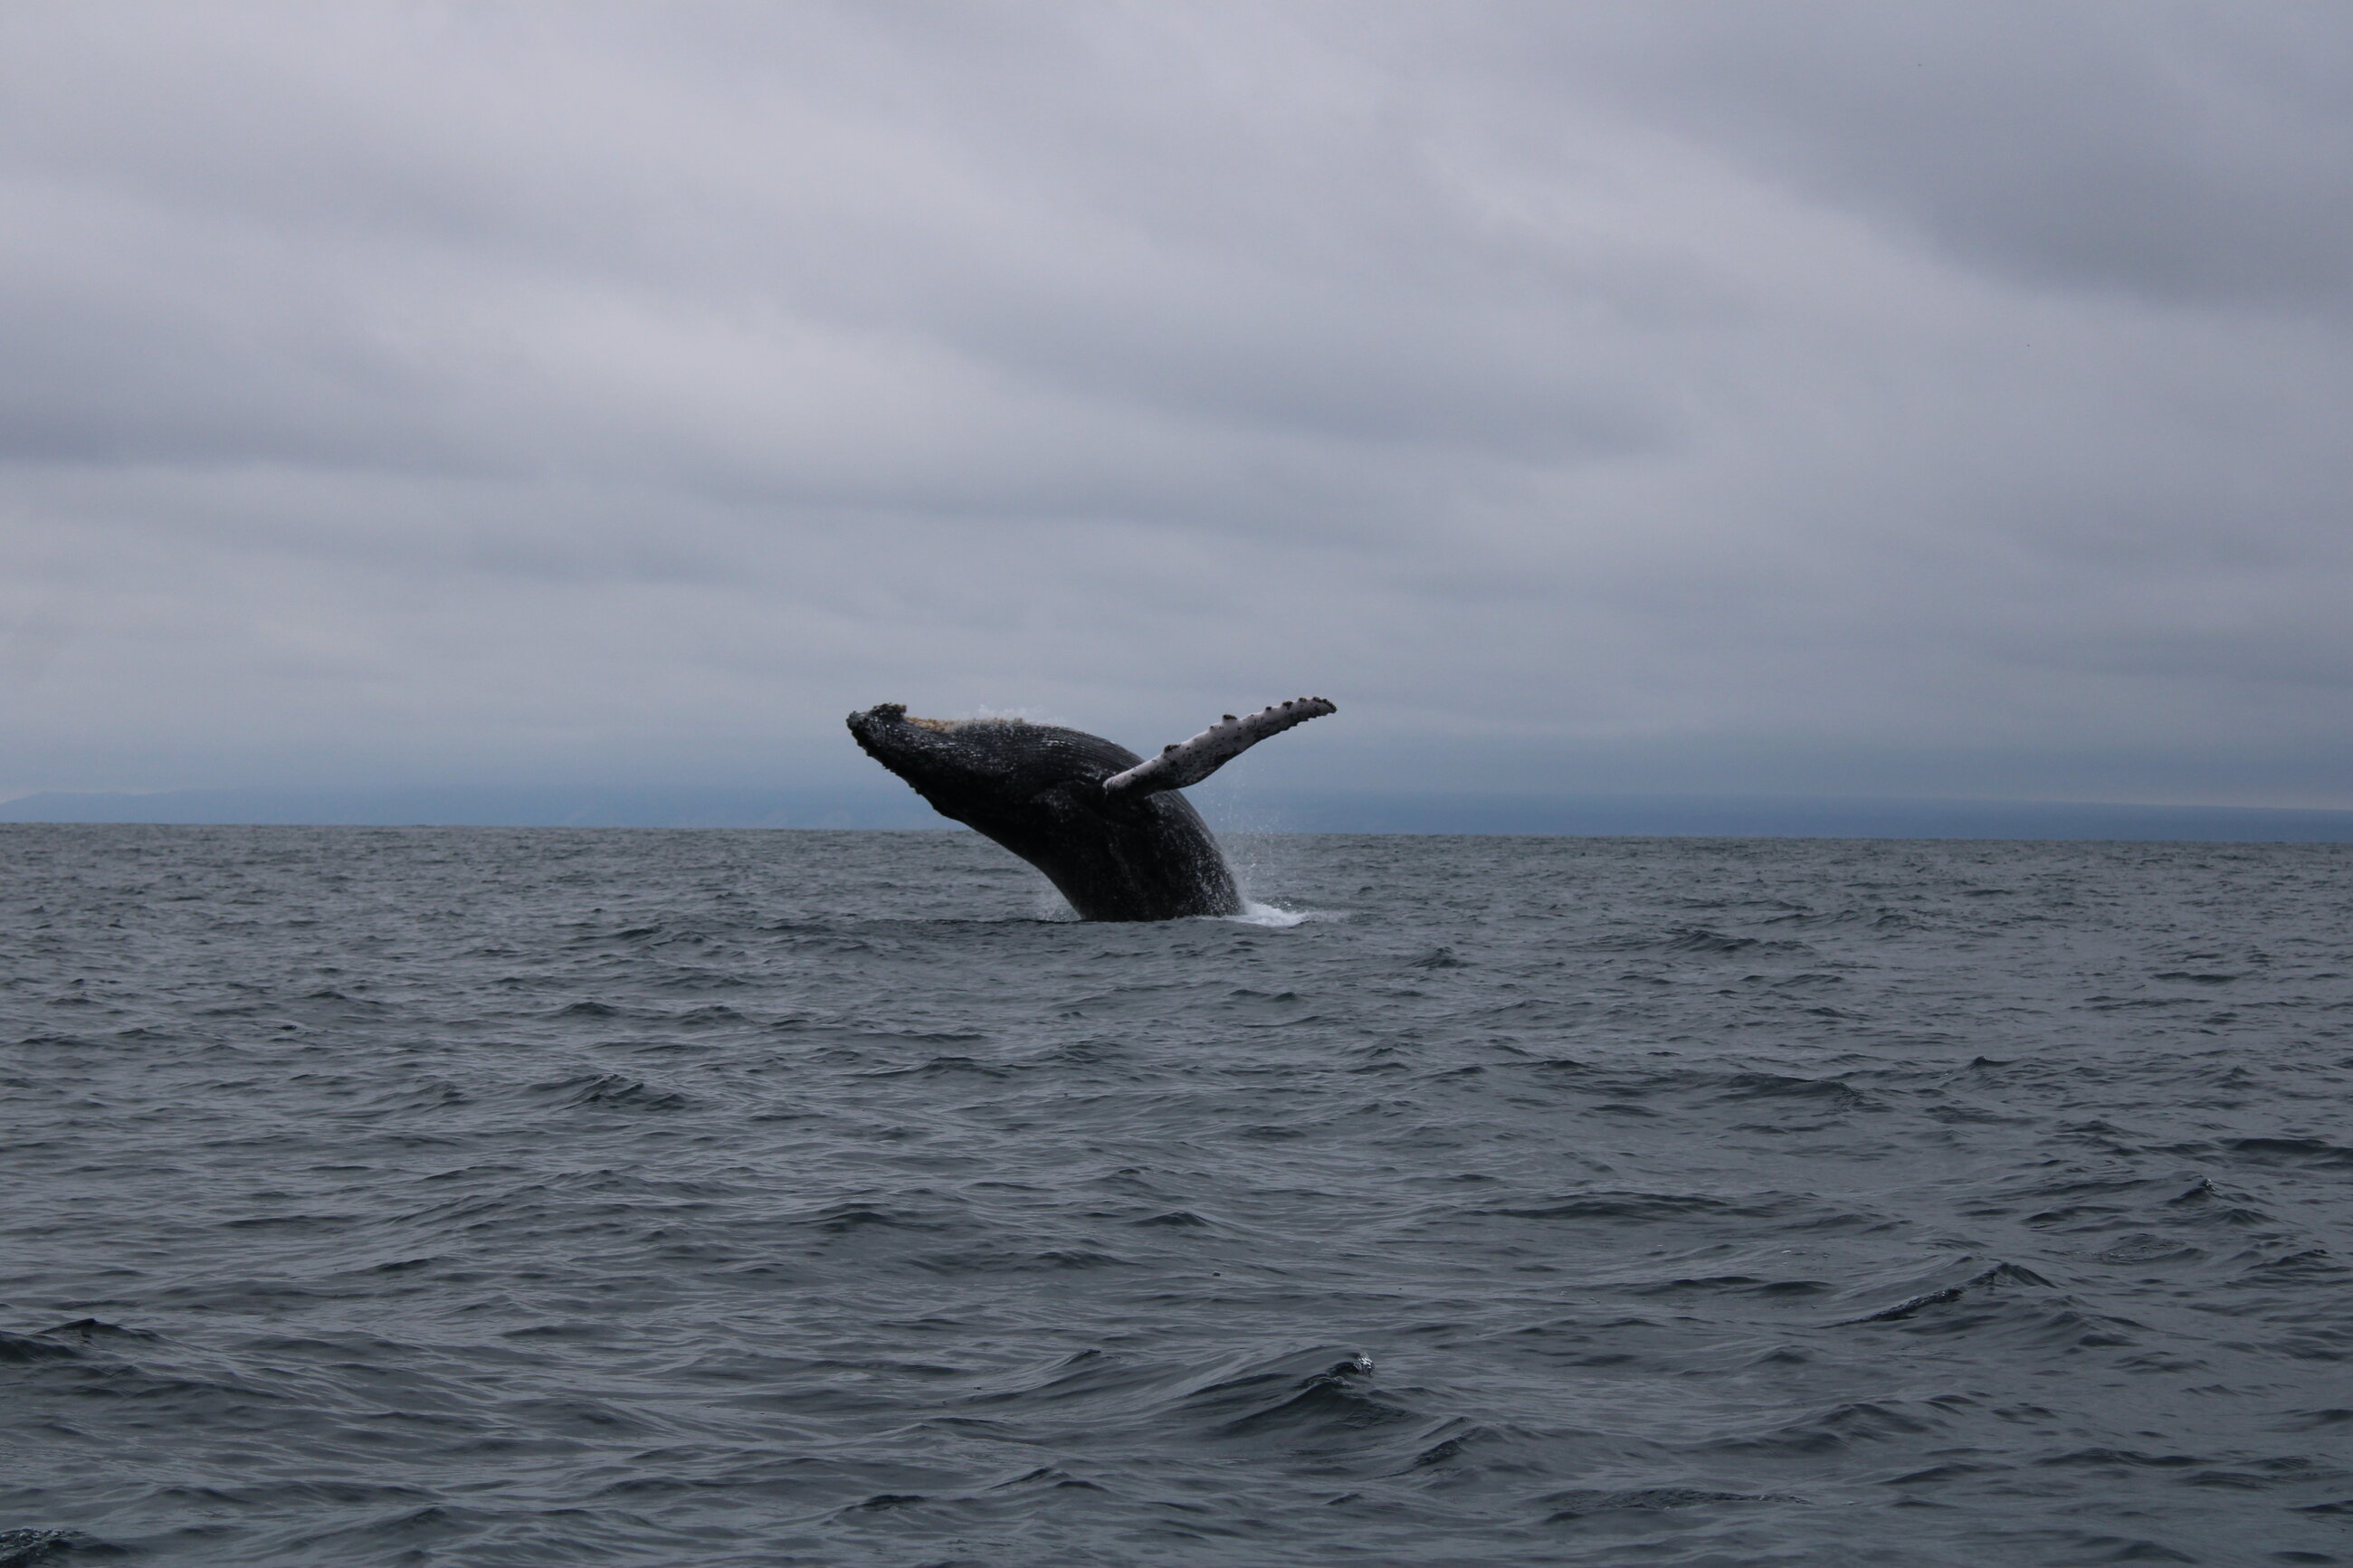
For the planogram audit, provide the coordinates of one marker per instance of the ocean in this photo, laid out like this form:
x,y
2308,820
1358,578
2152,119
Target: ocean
x,y
480,1196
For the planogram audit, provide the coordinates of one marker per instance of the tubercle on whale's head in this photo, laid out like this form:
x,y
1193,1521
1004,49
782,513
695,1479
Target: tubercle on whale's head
x,y
869,728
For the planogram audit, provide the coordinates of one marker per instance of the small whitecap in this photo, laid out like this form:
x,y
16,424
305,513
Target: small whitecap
x,y
1257,914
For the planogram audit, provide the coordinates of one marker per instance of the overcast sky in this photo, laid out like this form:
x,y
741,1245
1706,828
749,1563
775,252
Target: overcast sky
x,y
1753,397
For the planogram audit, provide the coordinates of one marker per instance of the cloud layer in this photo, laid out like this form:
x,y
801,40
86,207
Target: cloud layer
x,y
1834,399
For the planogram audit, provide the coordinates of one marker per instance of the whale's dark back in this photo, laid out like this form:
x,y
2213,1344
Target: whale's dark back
x,y
1037,789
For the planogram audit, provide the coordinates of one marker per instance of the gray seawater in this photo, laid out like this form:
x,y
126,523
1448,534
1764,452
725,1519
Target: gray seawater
x,y
489,1197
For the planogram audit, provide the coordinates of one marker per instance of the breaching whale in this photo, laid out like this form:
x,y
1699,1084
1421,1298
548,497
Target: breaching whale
x,y
1106,827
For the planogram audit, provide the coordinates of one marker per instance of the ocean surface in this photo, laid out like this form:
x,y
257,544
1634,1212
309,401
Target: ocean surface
x,y
479,1196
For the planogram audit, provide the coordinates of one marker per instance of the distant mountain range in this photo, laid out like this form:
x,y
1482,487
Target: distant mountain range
x,y
1231,810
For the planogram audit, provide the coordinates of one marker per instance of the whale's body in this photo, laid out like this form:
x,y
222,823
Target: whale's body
x,y
1107,828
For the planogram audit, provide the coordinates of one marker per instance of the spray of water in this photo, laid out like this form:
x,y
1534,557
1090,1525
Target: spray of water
x,y
1257,914
1047,903
1263,860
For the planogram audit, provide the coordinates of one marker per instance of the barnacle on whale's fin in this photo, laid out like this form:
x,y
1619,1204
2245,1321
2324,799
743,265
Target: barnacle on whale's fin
x,y
1195,760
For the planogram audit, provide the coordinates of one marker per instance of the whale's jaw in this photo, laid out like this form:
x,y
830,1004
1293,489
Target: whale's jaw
x,y
955,765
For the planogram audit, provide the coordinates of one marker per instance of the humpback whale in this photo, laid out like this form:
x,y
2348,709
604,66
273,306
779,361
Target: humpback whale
x,y
1106,827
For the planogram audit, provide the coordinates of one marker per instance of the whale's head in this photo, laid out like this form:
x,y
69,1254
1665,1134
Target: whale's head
x,y
962,765
973,768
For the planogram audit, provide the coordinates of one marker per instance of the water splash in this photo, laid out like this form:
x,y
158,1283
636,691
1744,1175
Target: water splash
x,y
1257,914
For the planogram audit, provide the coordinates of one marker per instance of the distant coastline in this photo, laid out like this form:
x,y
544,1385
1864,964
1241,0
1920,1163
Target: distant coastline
x,y
1728,817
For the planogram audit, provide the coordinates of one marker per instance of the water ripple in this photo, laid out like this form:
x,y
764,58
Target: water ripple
x,y
730,1198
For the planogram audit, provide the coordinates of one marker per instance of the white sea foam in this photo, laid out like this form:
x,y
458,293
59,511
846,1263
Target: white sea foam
x,y
1257,914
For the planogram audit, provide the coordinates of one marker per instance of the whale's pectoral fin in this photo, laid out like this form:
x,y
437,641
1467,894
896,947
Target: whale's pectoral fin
x,y
1214,747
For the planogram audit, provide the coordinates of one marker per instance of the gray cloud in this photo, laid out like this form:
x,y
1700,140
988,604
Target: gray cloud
x,y
2189,153
1810,398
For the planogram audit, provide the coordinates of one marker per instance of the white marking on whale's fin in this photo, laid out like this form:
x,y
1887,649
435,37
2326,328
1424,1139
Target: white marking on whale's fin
x,y
1214,747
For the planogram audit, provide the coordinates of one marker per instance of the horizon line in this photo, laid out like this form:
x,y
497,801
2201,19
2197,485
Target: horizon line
x,y
1411,811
